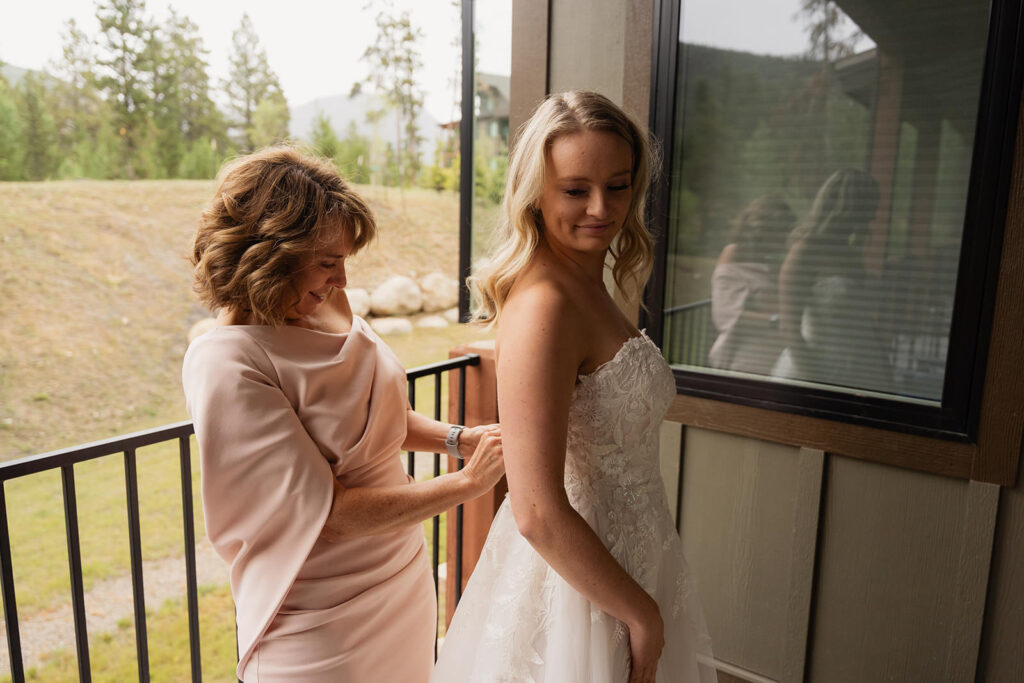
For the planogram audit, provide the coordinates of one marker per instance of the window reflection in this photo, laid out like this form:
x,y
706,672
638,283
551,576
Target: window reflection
x,y
822,152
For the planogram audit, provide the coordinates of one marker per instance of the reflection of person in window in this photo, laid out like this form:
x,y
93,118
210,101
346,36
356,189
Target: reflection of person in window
x,y
744,288
827,302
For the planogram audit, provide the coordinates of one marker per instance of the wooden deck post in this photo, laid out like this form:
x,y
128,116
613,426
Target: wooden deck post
x,y
481,408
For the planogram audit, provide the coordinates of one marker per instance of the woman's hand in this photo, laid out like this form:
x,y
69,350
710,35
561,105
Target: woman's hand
x,y
470,436
646,640
487,464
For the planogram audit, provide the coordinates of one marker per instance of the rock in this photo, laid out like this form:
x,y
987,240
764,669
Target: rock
x,y
432,321
452,315
398,295
439,292
201,327
359,300
391,326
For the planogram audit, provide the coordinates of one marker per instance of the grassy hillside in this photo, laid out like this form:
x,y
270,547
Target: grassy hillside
x,y
95,299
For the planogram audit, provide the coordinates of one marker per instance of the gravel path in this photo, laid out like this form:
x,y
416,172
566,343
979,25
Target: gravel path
x,y
108,602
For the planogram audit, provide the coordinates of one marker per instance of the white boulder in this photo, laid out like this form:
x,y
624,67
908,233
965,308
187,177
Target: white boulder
x,y
452,315
439,292
398,295
359,300
434,322
391,326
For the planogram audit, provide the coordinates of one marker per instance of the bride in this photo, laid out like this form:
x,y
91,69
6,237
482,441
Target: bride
x,y
582,578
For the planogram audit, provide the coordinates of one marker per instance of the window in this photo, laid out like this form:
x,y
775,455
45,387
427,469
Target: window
x,y
836,175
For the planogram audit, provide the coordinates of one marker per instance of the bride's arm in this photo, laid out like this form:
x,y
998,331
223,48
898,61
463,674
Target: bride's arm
x,y
540,349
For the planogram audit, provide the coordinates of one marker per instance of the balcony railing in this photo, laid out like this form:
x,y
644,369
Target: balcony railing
x,y
126,446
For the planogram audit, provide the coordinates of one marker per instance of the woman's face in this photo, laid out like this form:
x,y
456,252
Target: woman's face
x,y
587,190
318,274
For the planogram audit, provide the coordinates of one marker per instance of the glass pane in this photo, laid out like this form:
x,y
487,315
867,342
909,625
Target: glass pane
x,y
493,53
820,166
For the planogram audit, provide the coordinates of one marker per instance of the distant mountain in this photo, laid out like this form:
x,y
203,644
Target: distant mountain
x,y
13,74
341,110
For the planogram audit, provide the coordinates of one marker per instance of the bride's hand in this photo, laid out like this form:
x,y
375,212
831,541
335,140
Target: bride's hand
x,y
487,464
646,640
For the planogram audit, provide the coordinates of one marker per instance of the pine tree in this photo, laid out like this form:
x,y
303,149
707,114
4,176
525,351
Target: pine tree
x,y
269,121
79,109
38,130
10,135
353,157
124,73
251,82
183,110
323,139
394,61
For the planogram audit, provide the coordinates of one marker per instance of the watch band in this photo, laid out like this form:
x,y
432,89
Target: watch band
x,y
451,441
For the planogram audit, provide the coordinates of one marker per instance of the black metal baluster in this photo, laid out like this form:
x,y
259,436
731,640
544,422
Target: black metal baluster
x,y
7,588
458,510
131,487
67,473
436,522
435,559
191,591
411,455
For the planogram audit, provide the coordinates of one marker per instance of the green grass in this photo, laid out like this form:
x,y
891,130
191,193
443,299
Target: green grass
x,y
112,655
38,546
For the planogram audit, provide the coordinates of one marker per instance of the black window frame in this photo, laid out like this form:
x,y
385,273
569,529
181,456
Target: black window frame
x,y
957,416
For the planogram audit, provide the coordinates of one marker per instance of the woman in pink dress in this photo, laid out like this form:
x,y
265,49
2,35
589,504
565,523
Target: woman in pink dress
x,y
300,412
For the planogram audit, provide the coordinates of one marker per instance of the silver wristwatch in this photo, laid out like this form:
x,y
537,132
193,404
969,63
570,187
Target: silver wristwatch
x,y
451,442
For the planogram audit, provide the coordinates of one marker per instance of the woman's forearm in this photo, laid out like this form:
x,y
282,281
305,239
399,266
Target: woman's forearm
x,y
364,511
424,434
572,548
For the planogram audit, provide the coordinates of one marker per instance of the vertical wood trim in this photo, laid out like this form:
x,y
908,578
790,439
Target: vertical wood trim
x,y
679,481
637,67
974,565
531,40
638,59
806,522
1002,402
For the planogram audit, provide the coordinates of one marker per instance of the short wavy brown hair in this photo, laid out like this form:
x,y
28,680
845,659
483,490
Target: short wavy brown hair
x,y
272,209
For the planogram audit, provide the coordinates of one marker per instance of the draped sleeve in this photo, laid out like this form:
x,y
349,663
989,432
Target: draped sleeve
x,y
267,488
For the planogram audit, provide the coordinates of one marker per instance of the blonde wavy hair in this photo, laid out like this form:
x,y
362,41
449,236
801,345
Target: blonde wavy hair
x,y
520,226
271,211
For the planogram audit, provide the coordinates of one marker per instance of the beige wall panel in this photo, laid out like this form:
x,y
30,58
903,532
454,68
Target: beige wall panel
x,y
671,437
587,46
902,574
1002,650
739,511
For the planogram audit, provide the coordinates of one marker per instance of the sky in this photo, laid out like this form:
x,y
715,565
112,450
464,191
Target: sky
x,y
314,46
764,27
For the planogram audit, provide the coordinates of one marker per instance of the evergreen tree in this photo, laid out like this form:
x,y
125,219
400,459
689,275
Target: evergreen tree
x,y
353,156
183,111
269,121
124,73
394,61
38,130
323,139
251,82
10,135
78,108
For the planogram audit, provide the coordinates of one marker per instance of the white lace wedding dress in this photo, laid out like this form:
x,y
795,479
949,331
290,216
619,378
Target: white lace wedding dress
x,y
519,621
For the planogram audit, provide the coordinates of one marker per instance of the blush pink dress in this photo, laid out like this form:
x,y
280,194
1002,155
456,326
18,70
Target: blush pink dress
x,y
279,413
